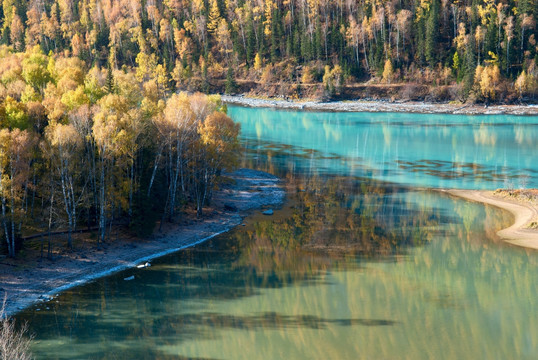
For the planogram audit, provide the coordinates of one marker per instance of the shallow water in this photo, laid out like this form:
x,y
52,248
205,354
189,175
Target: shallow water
x,y
352,267
447,151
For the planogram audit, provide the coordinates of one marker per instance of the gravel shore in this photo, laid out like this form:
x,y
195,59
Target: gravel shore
x,y
24,282
384,106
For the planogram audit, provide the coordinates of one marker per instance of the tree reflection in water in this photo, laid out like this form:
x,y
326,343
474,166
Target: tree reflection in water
x,y
349,268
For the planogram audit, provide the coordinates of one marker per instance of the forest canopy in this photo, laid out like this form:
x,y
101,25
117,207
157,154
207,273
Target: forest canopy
x,y
216,45
95,146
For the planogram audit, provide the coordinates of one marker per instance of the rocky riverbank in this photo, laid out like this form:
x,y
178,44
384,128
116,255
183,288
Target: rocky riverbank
x,y
384,106
29,280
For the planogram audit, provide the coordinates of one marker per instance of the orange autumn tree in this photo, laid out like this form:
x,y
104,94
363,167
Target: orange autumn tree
x,y
15,157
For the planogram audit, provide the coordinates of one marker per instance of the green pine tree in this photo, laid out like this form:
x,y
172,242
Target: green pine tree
x,y
432,33
469,66
231,84
109,80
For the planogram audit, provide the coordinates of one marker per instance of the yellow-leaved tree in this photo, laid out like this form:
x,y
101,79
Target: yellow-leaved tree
x,y
114,143
219,144
63,146
388,72
488,77
258,62
176,128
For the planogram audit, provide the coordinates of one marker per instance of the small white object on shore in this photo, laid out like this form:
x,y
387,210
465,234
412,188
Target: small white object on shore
x,y
141,266
120,258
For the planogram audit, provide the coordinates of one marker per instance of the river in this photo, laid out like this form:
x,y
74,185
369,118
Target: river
x,y
367,259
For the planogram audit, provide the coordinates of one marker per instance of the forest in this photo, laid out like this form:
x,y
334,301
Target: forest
x,y
95,117
465,50
102,147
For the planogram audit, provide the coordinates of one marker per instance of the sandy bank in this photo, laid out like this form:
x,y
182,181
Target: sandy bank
x,y
384,106
524,213
26,281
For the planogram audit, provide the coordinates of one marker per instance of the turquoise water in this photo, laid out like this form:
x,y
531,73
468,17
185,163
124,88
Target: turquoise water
x,y
441,151
352,267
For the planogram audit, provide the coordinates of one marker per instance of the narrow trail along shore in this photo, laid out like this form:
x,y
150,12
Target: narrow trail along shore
x,y
383,106
24,282
525,212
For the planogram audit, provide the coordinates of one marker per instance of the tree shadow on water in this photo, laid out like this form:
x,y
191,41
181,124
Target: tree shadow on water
x,y
273,320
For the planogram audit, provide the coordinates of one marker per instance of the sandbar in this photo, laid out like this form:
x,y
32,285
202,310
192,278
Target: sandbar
x,y
525,213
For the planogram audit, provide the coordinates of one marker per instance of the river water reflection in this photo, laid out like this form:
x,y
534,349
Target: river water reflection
x,y
450,151
352,266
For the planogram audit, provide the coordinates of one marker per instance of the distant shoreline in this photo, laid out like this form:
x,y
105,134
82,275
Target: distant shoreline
x,y
25,283
524,213
382,106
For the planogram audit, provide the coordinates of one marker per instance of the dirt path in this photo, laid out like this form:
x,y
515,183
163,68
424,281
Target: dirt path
x,y
26,281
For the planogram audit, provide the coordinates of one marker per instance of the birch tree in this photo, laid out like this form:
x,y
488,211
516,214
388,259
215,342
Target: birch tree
x,y
63,145
214,151
176,128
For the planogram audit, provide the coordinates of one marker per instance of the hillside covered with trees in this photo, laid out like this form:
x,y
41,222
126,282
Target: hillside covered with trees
x,y
473,49
86,87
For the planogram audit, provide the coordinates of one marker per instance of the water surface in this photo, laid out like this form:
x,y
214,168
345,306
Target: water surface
x,y
447,151
354,266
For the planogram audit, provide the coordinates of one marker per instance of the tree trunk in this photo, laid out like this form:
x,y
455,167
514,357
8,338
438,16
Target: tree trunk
x,y
102,219
155,166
